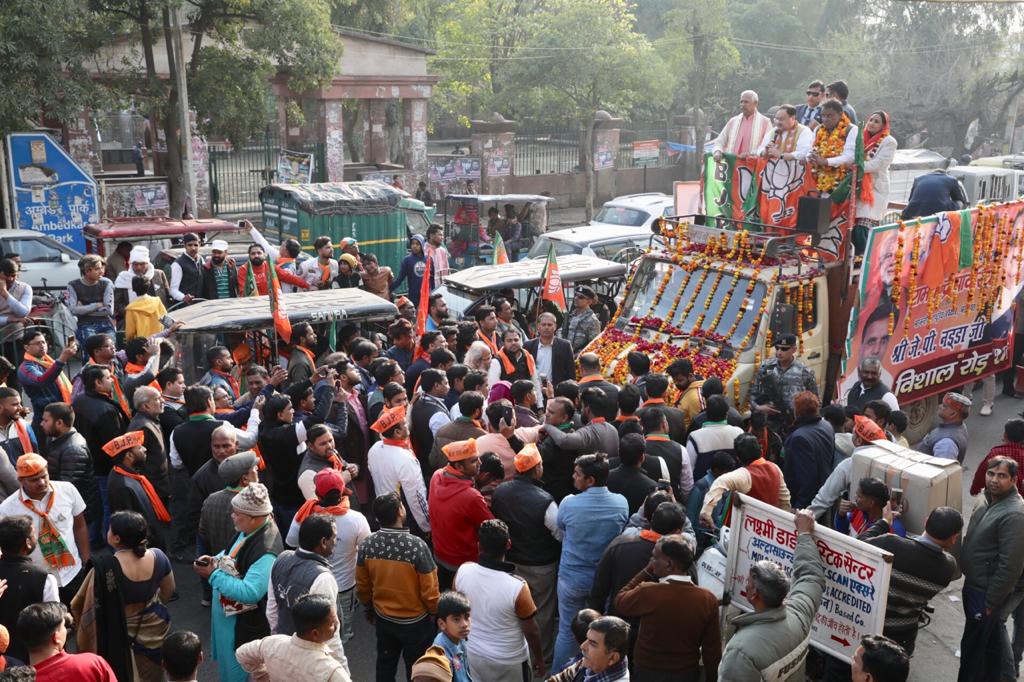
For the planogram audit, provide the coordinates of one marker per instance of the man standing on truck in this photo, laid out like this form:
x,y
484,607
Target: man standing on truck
x,y
777,382
745,131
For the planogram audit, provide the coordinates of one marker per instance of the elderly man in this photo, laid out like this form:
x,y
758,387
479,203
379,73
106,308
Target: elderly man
x,y
148,408
139,266
869,386
58,512
992,558
744,132
791,141
949,439
774,637
207,480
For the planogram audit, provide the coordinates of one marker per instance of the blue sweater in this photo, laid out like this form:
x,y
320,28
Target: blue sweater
x,y
411,271
589,521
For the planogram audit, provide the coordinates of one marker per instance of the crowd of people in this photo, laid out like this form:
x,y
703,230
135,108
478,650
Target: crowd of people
x,y
492,504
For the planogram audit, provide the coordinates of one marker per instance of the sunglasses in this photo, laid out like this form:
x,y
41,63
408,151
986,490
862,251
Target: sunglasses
x,y
783,347
814,93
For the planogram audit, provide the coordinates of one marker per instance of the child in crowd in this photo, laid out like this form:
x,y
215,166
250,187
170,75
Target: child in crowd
x,y
898,423
453,622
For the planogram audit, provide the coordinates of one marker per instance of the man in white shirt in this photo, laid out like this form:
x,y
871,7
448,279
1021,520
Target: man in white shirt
x,y
320,271
58,510
505,633
302,656
790,140
394,467
745,131
831,113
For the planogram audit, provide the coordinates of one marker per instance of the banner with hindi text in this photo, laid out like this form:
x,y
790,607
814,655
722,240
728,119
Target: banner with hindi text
x,y
936,300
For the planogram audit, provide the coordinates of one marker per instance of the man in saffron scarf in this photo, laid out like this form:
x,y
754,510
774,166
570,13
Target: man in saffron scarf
x,y
252,276
394,468
42,377
745,131
58,511
790,141
128,489
16,439
331,498
321,271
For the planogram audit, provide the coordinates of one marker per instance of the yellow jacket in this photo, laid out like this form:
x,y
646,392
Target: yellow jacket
x,y
144,317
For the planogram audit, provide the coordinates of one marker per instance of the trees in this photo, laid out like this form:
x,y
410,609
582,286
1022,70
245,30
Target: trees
x,y
580,57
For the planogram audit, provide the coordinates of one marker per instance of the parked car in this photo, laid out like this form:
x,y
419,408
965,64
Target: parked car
x,y
635,210
46,264
610,242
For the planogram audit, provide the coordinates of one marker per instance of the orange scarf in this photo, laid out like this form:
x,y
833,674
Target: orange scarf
x,y
132,368
658,438
654,401
490,344
510,367
26,440
325,272
63,383
118,395
621,419
313,507
598,420
232,381
650,535
154,499
51,545
592,377
260,462
309,354
404,444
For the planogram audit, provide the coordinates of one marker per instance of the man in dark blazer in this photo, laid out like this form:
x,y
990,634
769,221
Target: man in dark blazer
x,y
934,192
557,363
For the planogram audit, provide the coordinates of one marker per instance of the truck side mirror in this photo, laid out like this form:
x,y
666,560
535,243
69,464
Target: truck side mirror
x,y
64,258
783,319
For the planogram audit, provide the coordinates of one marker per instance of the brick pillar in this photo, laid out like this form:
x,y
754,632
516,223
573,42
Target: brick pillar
x,y
414,137
606,148
376,133
494,142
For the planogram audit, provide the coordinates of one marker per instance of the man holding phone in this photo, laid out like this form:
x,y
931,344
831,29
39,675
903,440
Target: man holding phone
x,y
43,378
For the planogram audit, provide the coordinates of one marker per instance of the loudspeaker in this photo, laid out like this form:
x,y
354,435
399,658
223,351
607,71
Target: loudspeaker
x,y
812,214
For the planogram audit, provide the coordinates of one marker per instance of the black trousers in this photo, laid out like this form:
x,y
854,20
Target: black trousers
x,y
405,640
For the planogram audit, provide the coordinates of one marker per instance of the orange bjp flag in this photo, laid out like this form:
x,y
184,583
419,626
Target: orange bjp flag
x,y
551,280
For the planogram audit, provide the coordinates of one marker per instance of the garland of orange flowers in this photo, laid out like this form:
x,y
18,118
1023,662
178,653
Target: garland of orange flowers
x,y
897,289
829,144
698,324
915,253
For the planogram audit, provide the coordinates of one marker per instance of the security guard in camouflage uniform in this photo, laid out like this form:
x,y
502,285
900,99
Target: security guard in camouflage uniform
x,y
777,381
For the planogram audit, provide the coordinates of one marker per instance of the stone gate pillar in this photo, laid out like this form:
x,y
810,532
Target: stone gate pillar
x,y
414,137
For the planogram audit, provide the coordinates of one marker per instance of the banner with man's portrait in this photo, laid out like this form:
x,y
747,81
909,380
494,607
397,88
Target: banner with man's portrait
x,y
936,300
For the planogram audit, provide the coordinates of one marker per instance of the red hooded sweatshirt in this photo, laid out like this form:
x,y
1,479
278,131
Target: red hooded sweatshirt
x,y
456,511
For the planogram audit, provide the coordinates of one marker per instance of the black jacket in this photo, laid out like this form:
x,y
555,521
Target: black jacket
x,y
210,282
99,420
563,367
68,459
933,193
155,466
25,583
809,450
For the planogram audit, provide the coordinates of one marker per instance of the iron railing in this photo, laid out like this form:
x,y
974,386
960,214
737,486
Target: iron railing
x,y
237,174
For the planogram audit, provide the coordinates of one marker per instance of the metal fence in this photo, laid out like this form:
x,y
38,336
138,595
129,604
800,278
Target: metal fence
x,y
237,174
541,152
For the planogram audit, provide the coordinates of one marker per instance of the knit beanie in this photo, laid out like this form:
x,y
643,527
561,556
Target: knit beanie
x,y
253,500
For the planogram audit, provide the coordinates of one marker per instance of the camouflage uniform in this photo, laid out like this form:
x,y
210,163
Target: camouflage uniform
x,y
777,387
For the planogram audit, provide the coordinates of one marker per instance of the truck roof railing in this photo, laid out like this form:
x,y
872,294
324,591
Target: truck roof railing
x,y
774,241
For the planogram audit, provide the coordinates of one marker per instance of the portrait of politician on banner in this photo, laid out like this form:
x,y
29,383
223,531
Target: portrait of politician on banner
x,y
936,300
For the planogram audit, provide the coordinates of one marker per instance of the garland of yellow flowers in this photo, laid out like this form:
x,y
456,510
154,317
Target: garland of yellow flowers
x,y
828,145
707,301
897,289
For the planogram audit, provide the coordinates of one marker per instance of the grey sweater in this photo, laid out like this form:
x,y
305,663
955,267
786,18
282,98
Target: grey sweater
x,y
992,557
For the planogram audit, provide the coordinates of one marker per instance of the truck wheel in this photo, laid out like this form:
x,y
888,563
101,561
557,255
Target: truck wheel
x,y
921,417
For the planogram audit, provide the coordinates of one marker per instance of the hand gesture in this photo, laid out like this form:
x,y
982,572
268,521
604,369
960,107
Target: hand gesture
x,y
175,327
258,403
845,506
804,521
506,429
152,347
706,520
204,571
278,376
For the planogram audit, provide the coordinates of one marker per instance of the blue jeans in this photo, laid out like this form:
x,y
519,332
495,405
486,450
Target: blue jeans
x,y
985,647
572,598
98,528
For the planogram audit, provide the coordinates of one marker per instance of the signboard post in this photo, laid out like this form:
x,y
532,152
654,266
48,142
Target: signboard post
x,y
856,574
646,152
51,193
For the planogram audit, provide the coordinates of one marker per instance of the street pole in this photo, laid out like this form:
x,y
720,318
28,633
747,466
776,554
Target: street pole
x,y
184,117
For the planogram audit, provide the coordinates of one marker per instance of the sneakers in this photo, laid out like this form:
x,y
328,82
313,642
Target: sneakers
x,y
986,410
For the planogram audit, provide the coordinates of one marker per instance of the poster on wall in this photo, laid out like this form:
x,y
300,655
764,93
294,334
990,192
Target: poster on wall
x,y
498,163
604,157
294,168
856,574
150,198
936,300
51,193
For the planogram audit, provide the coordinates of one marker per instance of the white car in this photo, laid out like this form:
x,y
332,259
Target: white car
x,y
635,210
610,242
45,263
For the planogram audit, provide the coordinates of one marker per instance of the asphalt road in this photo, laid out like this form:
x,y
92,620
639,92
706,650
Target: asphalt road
x,y
938,644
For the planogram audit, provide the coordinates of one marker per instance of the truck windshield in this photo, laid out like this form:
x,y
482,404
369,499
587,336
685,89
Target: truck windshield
x,y
707,300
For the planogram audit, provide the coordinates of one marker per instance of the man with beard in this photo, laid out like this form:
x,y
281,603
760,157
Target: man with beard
x,y
512,363
257,264
128,489
437,313
220,276
320,272
139,266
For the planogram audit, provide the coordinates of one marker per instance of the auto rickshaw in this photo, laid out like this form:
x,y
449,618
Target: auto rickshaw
x,y
469,231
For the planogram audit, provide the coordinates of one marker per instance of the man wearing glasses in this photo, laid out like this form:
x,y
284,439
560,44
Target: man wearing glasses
x,y
810,114
777,381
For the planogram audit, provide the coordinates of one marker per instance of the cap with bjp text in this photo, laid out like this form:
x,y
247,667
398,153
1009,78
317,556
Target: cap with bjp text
x,y
116,446
30,465
867,429
460,450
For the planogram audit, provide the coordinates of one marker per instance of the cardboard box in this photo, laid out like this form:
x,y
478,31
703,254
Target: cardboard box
x,y
927,482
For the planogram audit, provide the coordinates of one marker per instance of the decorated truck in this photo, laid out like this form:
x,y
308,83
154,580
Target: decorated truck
x,y
932,298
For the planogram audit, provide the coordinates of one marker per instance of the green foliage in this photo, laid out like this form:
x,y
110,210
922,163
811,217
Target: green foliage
x,y
44,48
227,88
